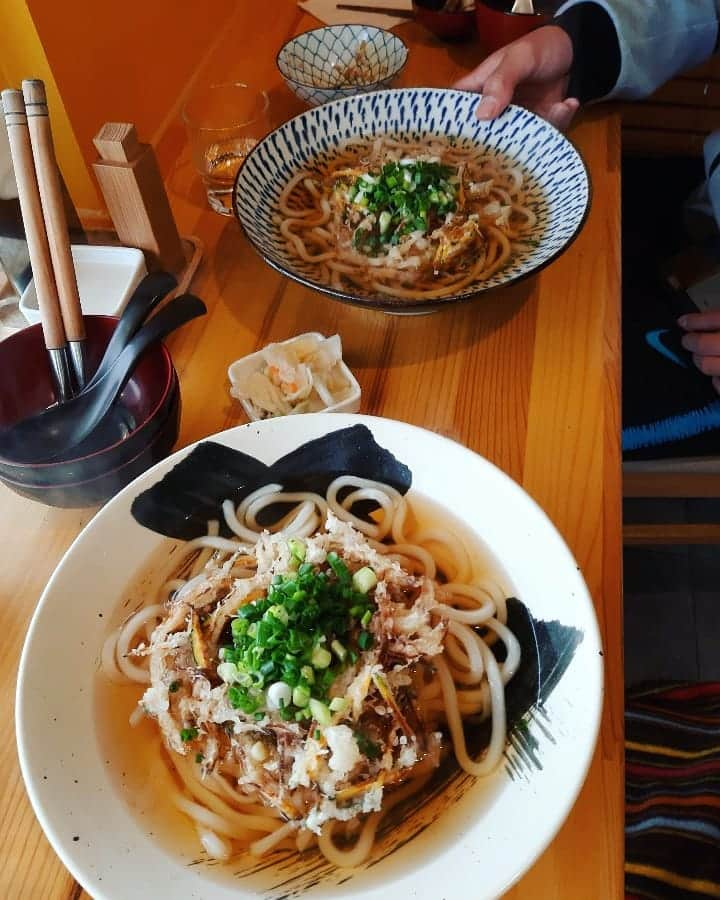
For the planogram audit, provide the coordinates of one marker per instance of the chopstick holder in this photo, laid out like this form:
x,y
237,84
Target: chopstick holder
x,y
38,249
48,179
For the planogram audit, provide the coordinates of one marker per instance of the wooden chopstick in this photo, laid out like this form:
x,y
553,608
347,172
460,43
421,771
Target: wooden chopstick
x,y
38,248
53,208
376,10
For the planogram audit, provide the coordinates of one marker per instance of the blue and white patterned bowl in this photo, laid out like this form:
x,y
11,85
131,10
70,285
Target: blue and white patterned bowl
x,y
558,192
312,63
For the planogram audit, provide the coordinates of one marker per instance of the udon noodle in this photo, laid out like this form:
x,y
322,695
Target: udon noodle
x,y
359,70
306,676
410,220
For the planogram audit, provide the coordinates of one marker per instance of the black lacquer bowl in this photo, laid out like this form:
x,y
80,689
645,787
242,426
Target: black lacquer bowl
x,y
107,460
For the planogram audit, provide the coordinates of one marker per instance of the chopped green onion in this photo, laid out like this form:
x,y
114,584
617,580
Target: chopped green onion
x,y
366,619
320,712
341,571
240,698
403,197
364,580
339,650
365,640
267,669
339,704
279,612
199,757
188,734
300,696
297,639
297,549
228,672
320,658
278,695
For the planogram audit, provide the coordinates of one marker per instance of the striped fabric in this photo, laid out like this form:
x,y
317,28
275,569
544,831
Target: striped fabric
x,y
672,792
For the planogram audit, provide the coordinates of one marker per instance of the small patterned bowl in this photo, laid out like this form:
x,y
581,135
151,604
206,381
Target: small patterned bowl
x,y
558,193
314,63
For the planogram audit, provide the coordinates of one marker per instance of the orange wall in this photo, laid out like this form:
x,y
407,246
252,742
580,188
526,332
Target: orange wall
x,y
99,53
23,56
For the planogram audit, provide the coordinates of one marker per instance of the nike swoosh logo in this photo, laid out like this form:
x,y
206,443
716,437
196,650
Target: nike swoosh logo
x,y
654,339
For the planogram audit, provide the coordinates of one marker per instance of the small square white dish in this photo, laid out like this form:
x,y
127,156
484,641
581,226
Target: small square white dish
x,y
106,278
346,399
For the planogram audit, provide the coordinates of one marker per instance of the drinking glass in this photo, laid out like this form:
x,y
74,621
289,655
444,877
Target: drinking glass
x,y
224,123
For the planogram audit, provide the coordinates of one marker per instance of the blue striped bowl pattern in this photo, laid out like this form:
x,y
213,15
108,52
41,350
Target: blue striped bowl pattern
x,y
558,192
310,62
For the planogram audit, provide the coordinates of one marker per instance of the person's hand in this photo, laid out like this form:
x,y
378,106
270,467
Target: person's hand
x,y
703,341
532,71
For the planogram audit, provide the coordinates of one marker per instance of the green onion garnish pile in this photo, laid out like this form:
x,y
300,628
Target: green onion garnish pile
x,y
289,646
405,196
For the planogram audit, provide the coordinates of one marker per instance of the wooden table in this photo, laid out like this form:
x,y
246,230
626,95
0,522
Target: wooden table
x,y
528,377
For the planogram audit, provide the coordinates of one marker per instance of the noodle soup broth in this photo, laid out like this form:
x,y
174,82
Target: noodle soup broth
x,y
416,830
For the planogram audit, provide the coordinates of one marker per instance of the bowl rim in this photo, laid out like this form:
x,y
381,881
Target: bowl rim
x,y
391,73
397,304
510,487
171,377
10,482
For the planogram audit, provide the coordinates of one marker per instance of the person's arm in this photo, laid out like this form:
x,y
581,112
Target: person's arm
x,y
551,70
657,39
596,49
596,58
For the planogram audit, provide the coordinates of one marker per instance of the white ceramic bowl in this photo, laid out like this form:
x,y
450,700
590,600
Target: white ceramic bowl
x,y
488,832
558,192
106,277
312,62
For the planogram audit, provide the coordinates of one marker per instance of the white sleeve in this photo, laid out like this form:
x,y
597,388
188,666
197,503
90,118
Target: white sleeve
x,y
658,39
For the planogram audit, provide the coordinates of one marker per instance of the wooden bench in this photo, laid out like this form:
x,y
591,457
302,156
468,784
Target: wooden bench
x,y
675,120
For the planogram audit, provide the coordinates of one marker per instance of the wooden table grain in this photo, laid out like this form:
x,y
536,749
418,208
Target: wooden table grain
x,y
528,377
